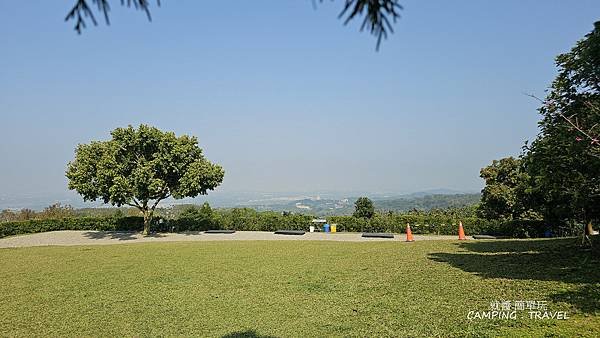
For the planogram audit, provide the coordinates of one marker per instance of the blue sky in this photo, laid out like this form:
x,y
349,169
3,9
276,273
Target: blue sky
x,y
284,96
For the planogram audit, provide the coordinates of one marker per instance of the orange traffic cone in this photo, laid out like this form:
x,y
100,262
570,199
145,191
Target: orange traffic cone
x,y
461,232
409,236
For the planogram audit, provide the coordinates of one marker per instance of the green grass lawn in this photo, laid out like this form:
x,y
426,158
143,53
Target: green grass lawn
x,y
296,288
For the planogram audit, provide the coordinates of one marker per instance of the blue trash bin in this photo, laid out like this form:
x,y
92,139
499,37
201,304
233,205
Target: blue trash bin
x,y
326,227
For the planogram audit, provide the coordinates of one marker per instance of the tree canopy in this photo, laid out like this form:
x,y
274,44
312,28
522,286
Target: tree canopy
x,y
564,160
558,174
378,15
505,193
364,208
140,167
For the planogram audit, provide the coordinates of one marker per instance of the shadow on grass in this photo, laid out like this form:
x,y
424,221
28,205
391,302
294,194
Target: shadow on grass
x,y
559,260
585,298
546,260
246,334
513,246
118,235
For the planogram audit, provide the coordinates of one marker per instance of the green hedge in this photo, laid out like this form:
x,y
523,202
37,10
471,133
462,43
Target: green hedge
x,y
84,223
424,224
251,220
236,219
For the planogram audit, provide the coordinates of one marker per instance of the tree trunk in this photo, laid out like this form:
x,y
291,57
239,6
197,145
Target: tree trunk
x,y
147,219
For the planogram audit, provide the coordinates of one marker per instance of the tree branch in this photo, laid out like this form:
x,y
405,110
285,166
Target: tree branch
x,y
164,195
135,204
82,10
376,18
379,15
595,140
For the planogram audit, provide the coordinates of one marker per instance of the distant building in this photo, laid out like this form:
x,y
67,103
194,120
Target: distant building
x,y
302,206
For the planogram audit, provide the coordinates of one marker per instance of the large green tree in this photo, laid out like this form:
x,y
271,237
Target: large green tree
x,y
141,167
564,160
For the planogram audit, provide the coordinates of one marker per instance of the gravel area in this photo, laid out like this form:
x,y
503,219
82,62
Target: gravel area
x,y
65,238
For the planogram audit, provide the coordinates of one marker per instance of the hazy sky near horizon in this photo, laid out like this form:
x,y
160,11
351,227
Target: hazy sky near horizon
x,y
282,95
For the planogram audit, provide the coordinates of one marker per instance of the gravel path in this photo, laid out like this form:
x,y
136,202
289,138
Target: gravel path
x,y
65,238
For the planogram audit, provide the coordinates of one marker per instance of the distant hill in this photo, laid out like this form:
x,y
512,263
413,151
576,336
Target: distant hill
x,y
319,204
326,207
428,202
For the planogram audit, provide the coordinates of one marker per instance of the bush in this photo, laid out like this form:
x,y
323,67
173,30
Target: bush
x,y
440,225
84,223
194,219
243,219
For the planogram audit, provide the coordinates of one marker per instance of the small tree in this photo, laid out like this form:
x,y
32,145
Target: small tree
x,y
201,217
55,211
505,193
363,208
140,167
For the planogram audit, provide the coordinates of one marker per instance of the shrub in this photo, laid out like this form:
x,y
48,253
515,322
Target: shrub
x,y
83,223
243,219
194,219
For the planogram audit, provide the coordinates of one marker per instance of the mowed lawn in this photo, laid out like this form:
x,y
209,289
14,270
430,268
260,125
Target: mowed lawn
x,y
297,288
